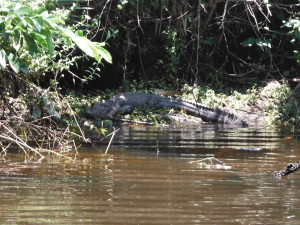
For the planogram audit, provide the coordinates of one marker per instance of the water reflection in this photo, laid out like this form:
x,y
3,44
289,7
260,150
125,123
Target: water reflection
x,y
151,181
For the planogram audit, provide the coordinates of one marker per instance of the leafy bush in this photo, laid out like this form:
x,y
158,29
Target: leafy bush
x,y
34,40
34,30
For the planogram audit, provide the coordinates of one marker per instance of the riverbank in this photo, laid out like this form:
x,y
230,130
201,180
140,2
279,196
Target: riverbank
x,y
57,124
273,104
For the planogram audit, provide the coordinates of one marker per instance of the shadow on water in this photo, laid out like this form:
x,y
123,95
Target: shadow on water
x,y
157,176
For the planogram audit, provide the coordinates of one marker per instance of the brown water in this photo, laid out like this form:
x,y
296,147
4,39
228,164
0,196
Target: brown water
x,y
155,177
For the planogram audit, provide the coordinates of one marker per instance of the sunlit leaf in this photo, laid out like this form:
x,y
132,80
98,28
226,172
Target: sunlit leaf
x,y
79,33
13,62
264,43
92,49
29,22
39,11
34,24
44,23
16,64
40,39
103,53
21,10
55,19
3,59
79,41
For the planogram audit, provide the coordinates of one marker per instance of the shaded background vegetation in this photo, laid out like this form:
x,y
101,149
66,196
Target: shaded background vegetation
x,y
169,43
49,47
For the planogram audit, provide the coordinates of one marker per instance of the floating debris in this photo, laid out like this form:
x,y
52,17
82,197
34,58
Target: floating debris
x,y
211,163
290,168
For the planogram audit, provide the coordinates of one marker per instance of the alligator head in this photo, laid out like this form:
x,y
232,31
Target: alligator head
x,y
102,109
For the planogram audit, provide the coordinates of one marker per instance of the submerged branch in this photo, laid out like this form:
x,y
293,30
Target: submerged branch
x,y
290,168
112,137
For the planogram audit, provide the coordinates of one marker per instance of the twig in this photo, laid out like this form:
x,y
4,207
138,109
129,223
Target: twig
x,y
22,144
210,159
113,134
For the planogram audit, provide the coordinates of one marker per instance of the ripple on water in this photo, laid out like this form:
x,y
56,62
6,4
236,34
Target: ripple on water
x,y
151,181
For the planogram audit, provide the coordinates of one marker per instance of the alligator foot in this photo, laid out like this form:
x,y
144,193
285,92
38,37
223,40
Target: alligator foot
x,y
291,168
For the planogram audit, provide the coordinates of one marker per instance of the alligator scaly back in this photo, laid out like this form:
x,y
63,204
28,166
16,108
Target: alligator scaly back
x,y
127,102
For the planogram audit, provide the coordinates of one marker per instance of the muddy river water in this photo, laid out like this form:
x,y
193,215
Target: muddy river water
x,y
183,174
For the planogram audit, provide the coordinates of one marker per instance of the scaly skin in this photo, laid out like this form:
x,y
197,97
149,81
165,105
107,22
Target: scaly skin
x,y
127,102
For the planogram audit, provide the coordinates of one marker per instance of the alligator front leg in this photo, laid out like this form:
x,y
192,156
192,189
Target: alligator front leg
x,y
125,109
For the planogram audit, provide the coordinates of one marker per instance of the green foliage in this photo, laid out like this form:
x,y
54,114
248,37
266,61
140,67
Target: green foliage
x,y
149,114
79,102
42,103
92,49
204,95
262,44
121,4
146,87
234,101
174,47
276,105
22,27
294,25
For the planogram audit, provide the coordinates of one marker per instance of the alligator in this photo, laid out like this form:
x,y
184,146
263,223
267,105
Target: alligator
x,y
127,102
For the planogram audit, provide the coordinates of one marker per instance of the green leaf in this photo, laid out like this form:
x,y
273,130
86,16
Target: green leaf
x,y
264,44
3,59
79,33
39,11
92,49
33,23
40,39
37,25
13,62
44,23
27,21
31,44
21,10
23,67
2,26
249,42
4,11
79,41
101,44
50,43
55,19
16,64
103,53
